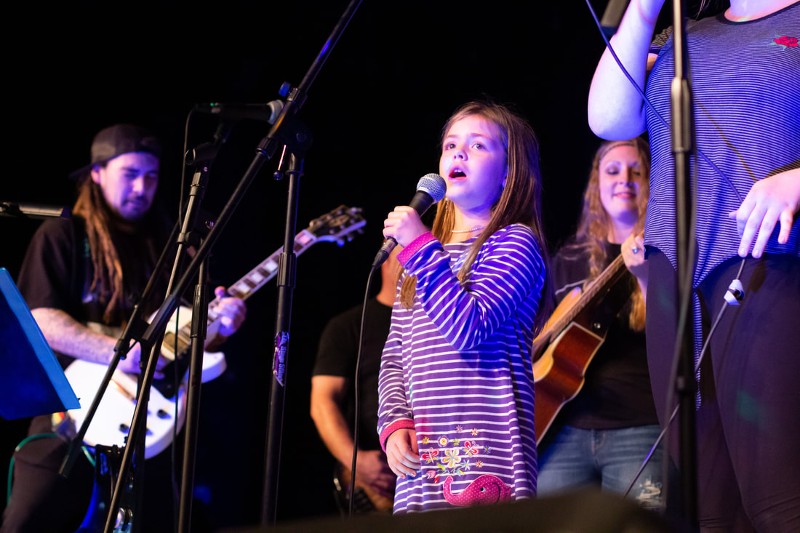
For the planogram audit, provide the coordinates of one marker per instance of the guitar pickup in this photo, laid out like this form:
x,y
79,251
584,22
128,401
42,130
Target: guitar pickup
x,y
125,429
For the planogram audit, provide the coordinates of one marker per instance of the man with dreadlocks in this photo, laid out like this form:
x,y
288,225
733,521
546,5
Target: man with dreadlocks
x,y
80,273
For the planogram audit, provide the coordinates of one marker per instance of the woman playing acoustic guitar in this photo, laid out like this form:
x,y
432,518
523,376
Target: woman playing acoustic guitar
x,y
605,424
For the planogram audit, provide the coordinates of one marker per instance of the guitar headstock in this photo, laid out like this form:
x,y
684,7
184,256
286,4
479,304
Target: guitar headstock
x,y
339,225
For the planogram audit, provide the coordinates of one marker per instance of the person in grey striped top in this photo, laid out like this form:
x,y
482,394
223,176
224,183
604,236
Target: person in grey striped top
x,y
744,261
456,399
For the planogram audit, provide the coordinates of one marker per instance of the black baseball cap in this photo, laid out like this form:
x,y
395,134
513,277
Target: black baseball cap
x,y
117,140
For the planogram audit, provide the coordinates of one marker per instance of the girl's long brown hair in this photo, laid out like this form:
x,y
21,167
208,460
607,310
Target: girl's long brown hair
x,y
520,201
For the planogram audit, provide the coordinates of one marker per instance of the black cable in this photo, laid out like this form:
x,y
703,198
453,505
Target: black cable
x,y
733,296
356,386
650,105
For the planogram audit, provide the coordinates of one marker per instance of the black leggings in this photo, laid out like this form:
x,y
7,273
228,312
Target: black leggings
x,y
748,423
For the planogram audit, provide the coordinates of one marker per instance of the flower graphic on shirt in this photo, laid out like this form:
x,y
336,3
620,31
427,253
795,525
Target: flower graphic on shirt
x,y
455,455
451,458
430,455
471,448
785,41
433,474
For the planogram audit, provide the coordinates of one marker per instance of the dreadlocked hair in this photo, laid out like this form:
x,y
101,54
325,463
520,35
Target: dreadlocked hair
x,y
107,282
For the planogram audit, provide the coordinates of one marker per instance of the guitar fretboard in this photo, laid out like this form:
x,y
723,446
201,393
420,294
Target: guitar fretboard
x,y
267,269
251,282
340,224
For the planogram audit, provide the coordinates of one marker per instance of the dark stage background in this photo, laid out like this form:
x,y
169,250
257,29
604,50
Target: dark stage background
x,y
375,111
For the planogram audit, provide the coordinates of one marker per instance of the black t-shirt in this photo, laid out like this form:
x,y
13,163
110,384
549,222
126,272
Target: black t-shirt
x,y
336,356
617,391
57,272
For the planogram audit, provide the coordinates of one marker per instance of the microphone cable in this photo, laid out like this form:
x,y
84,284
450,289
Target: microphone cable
x,y
351,491
650,106
733,296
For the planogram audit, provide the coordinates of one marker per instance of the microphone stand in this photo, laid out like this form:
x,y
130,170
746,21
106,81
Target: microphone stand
x,y
134,328
297,143
201,158
152,339
682,147
285,282
286,130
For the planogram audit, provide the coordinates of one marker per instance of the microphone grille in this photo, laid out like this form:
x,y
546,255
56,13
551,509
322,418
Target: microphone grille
x,y
432,184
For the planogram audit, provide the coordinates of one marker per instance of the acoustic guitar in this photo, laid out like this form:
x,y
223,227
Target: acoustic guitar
x,y
570,339
166,407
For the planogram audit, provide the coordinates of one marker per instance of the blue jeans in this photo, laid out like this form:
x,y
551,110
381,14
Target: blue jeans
x,y
608,458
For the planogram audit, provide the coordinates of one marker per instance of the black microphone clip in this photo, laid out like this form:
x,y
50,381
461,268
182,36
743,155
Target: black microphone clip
x,y
268,112
735,292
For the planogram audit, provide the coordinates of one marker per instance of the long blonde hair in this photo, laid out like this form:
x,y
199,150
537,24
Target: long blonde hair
x,y
520,201
594,224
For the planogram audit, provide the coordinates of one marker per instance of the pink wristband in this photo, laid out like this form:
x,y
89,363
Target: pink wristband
x,y
414,246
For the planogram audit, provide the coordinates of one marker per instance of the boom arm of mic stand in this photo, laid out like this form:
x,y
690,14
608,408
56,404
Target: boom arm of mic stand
x,y
298,142
296,97
133,330
77,441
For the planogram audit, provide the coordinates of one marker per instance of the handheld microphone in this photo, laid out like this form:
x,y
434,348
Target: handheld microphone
x,y
268,112
430,189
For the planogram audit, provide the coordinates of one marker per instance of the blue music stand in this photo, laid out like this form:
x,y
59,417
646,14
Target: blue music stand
x,y
32,381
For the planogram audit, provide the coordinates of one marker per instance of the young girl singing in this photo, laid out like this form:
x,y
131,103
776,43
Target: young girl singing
x,y
456,380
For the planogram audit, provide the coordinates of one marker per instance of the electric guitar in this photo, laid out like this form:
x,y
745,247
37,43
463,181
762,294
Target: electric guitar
x,y
570,339
166,407
366,500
